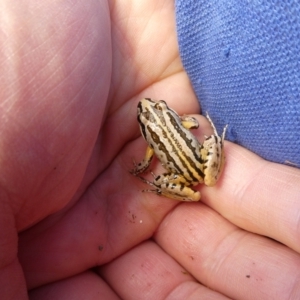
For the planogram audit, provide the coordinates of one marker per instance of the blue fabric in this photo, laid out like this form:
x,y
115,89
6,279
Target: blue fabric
x,y
243,59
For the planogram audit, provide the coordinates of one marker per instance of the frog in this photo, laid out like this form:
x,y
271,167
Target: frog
x,y
187,161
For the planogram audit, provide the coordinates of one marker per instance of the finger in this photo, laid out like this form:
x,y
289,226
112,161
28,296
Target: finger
x,y
86,286
227,259
147,272
110,218
107,221
258,196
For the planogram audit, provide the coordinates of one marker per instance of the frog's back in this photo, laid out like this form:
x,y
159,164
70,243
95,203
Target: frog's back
x,y
175,146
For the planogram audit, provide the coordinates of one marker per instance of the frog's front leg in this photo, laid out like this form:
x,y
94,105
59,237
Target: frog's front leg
x,y
189,122
144,164
173,186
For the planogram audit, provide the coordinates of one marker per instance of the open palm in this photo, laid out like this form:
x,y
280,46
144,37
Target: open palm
x,y
71,78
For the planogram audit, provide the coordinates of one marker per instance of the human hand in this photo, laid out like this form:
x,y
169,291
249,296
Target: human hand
x,y
66,144
242,243
69,94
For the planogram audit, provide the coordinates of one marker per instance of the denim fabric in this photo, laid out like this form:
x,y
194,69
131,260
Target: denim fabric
x,y
243,59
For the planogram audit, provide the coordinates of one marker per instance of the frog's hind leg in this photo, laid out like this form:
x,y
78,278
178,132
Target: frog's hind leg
x,y
172,186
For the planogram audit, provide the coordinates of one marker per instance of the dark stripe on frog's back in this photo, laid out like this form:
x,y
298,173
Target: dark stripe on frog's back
x,y
160,144
171,138
142,128
156,138
176,124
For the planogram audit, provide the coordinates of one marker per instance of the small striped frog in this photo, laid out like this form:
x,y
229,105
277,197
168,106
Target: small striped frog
x,y
187,162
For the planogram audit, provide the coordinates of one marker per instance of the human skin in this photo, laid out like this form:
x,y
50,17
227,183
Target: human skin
x,y
74,222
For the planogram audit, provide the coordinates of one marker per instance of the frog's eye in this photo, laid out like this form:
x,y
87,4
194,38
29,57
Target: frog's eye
x,y
161,105
158,106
